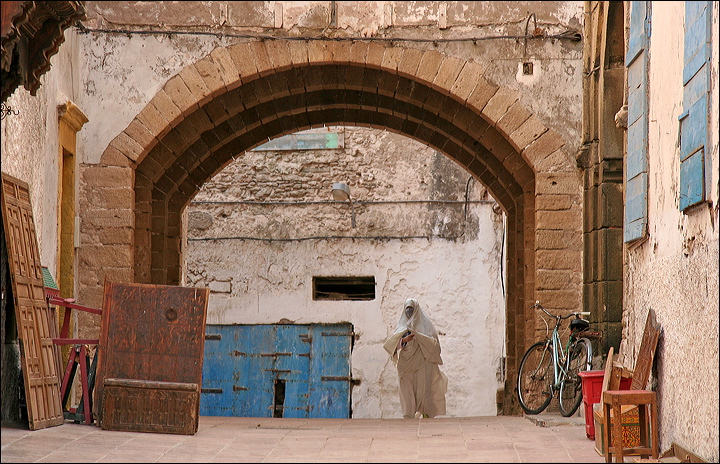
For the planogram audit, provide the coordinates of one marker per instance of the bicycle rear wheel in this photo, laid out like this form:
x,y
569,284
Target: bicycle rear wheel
x,y
535,378
580,357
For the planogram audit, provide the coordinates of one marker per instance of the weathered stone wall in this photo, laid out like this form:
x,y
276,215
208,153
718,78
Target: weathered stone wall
x,y
400,188
675,270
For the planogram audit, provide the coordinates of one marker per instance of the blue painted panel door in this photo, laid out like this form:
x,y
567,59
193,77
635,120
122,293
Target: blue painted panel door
x,y
237,382
295,371
330,371
294,345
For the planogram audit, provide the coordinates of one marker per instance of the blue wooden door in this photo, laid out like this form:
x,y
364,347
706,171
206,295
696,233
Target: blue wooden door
x,y
293,344
295,371
330,371
236,381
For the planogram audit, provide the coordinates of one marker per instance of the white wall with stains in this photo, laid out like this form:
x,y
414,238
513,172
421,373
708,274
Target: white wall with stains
x,y
675,271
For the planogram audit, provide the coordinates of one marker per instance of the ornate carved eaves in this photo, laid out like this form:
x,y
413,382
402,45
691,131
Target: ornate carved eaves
x,y
31,34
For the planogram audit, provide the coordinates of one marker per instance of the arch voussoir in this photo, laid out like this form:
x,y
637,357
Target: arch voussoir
x,y
481,95
227,70
467,80
279,53
192,79
408,65
515,116
429,66
447,74
180,95
543,146
499,104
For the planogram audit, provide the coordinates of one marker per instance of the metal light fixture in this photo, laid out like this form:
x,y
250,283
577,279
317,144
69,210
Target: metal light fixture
x,y
341,192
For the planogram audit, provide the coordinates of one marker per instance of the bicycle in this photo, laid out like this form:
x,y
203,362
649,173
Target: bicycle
x,y
547,369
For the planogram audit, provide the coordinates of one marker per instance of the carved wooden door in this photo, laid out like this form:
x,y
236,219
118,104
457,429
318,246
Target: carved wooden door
x,y
32,313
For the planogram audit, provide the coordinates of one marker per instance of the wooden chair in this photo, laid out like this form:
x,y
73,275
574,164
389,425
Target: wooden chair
x,y
614,402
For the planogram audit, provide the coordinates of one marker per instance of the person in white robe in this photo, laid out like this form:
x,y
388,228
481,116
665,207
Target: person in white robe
x,y
415,349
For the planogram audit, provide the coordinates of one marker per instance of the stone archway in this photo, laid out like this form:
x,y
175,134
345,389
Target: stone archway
x,y
239,97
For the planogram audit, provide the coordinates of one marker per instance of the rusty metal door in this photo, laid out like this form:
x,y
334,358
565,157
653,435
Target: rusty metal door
x,y
34,317
293,371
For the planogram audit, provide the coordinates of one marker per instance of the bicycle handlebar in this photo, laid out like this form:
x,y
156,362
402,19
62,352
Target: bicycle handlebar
x,y
576,313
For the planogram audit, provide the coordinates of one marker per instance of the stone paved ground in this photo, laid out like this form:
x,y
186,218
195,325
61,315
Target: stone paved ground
x,y
243,439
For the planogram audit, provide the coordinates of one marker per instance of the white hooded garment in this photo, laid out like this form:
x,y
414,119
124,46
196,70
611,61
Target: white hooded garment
x,y
422,385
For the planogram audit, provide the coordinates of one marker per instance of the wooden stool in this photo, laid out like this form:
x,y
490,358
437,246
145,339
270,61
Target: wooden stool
x,y
613,401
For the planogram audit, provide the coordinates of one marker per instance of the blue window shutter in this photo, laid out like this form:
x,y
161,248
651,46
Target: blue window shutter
x,y
694,120
691,171
638,36
636,172
697,38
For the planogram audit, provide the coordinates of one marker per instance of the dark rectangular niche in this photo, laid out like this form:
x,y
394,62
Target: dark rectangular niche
x,y
344,288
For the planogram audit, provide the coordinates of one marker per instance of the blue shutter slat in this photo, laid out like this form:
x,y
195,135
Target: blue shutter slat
x,y
636,197
694,129
635,207
696,50
634,230
636,149
637,100
637,38
696,88
636,75
694,9
692,186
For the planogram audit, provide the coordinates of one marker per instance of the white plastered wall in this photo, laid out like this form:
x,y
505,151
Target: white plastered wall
x,y
675,271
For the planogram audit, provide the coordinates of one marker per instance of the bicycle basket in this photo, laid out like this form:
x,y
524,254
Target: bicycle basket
x,y
578,325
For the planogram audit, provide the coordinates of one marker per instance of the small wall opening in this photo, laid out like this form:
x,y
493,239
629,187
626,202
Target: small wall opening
x,y
344,288
279,398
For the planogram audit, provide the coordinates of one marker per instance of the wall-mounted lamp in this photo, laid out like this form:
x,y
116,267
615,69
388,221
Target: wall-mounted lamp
x,y
341,192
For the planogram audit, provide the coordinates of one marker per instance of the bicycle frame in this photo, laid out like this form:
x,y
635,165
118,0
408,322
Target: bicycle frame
x,y
560,358
559,355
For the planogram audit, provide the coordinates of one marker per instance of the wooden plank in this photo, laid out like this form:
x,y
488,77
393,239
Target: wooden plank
x,y
151,333
644,361
608,370
33,315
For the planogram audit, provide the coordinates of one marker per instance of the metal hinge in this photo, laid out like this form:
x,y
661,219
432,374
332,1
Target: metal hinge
x,y
339,334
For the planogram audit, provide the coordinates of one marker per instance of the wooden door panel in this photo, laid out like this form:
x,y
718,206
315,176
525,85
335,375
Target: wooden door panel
x,y
33,315
151,333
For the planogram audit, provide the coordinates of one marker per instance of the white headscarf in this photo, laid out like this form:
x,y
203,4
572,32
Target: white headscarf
x,y
416,323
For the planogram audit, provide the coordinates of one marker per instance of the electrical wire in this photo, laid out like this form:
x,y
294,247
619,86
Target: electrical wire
x,y
326,237
568,34
325,202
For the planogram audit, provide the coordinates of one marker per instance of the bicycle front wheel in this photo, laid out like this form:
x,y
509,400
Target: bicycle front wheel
x,y
580,358
535,378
